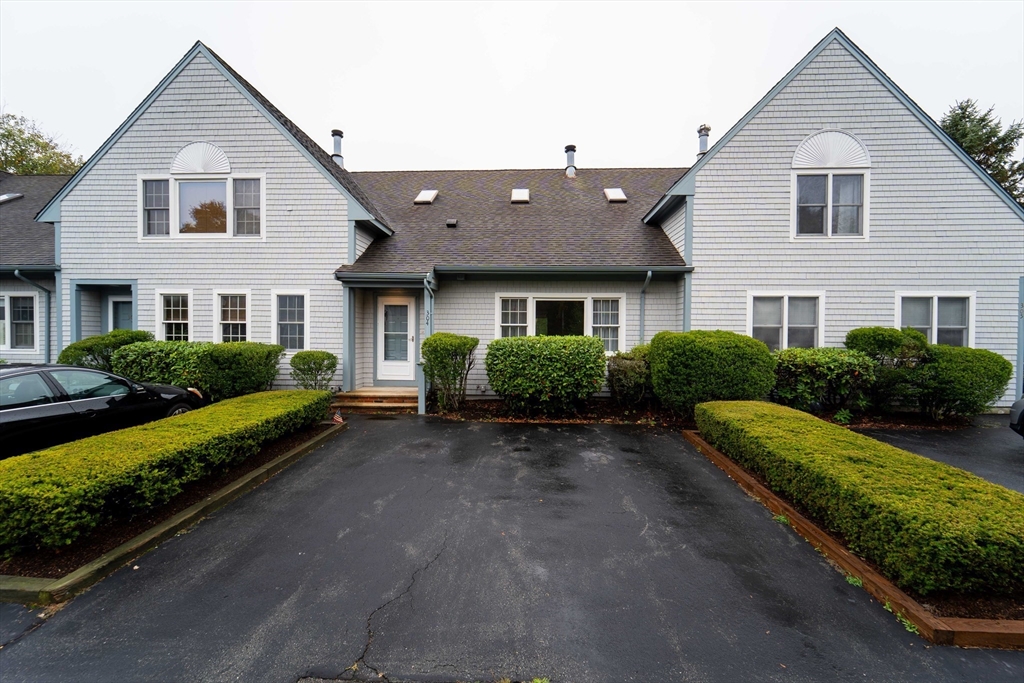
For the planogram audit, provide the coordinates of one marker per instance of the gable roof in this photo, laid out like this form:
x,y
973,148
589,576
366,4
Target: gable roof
x,y
23,242
685,185
360,206
568,222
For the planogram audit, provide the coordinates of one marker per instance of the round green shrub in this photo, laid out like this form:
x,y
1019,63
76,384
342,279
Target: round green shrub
x,y
822,379
898,355
629,376
448,359
550,374
961,381
688,368
95,352
313,369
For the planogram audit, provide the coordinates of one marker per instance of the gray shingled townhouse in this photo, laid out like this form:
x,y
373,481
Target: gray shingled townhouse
x,y
834,203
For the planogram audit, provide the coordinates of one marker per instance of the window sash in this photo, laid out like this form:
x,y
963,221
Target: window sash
x,y
157,206
291,325
941,319
247,206
841,214
233,325
514,313
605,323
772,321
23,322
175,316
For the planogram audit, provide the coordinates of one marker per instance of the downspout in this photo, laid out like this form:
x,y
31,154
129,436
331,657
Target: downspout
x,y
46,333
643,304
429,286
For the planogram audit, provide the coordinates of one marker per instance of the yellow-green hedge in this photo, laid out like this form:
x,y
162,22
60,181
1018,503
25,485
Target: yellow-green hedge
x,y
928,526
53,496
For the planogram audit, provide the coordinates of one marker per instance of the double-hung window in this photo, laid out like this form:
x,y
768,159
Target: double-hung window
x,y
156,213
247,206
173,312
18,322
233,317
786,321
942,318
830,204
290,319
562,315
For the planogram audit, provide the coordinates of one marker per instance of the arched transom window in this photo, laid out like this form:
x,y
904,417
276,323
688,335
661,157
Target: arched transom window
x,y
831,173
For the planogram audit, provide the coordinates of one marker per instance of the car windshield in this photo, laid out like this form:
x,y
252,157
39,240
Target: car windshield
x,y
21,391
89,384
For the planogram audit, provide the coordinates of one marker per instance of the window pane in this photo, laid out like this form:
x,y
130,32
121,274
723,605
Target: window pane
x,y
606,311
917,312
176,331
609,336
158,222
513,330
952,336
232,332
157,193
768,311
291,315
772,336
803,311
845,220
175,307
802,337
202,207
810,220
810,189
232,308
560,318
846,189
23,391
952,312
85,384
23,328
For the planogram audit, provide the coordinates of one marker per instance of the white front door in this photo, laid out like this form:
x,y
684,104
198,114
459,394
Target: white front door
x,y
396,338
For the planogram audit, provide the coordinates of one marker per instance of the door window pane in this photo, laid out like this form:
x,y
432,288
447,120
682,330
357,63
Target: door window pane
x,y
917,314
247,207
767,321
23,391
291,321
560,318
952,321
81,384
233,327
811,204
606,323
23,326
396,332
202,207
513,317
157,207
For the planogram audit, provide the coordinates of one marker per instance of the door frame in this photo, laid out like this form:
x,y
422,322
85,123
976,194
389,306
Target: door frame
x,y
379,301
120,298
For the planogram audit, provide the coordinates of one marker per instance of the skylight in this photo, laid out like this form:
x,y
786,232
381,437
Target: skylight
x,y
614,194
521,196
425,197
4,198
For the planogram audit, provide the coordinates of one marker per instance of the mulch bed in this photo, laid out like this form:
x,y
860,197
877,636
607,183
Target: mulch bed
x,y
53,563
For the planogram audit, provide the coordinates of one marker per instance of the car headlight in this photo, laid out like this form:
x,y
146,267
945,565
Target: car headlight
x,y
193,390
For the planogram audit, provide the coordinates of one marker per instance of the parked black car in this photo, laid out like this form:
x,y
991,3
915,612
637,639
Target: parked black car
x,y
1017,416
46,405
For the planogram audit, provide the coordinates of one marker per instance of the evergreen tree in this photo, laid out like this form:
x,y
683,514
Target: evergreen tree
x,y
982,136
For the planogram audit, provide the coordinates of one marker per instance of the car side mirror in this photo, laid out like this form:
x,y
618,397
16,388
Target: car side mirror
x,y
139,389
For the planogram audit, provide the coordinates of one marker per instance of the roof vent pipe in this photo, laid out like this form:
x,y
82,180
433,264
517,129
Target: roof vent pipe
x,y
702,136
338,159
570,161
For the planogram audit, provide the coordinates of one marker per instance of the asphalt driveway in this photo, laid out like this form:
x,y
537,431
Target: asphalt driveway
x,y
989,449
435,551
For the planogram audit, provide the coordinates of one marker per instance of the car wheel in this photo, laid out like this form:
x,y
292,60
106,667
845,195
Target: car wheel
x,y
178,409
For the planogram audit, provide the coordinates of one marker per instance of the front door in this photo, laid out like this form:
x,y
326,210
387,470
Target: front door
x,y
396,338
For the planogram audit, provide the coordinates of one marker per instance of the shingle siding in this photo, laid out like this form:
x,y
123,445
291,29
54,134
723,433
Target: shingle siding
x,y
675,227
934,225
100,217
363,240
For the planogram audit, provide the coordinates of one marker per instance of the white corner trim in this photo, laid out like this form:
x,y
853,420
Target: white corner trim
x,y
934,296
217,329
785,295
588,310
274,339
158,316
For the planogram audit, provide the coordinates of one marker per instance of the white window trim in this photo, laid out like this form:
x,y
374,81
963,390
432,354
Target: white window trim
x,y
218,331
588,311
274,293
865,208
174,180
934,296
158,316
8,322
110,310
819,340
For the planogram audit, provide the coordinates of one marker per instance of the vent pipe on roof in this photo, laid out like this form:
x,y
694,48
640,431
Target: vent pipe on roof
x,y
570,161
338,159
702,136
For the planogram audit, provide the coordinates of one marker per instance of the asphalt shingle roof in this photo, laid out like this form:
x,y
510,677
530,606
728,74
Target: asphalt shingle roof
x,y
568,221
23,242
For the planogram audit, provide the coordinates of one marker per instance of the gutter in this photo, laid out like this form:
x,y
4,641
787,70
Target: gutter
x,y
29,269
46,333
557,270
643,303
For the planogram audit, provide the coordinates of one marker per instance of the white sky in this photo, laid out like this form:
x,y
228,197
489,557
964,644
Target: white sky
x,y
473,85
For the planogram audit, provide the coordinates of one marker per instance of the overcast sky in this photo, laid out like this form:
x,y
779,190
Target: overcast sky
x,y
473,85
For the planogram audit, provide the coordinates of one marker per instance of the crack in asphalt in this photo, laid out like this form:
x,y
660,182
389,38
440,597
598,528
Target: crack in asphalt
x,y
369,620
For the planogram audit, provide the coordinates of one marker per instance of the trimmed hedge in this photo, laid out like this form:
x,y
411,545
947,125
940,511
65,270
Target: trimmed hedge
x,y
629,376
448,358
928,526
218,370
313,369
550,374
95,352
53,496
821,379
688,368
961,381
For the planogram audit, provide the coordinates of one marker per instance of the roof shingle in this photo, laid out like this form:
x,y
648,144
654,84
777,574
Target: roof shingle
x,y
23,242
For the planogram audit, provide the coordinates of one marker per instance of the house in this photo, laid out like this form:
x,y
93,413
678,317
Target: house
x,y
28,263
834,203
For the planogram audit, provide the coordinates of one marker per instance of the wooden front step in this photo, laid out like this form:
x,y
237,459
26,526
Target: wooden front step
x,y
377,399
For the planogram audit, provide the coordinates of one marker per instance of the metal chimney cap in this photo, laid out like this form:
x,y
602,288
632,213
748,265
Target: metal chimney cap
x,y
704,129
570,148
337,133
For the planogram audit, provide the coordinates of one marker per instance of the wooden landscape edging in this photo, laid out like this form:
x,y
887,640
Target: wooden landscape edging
x,y
992,633
34,591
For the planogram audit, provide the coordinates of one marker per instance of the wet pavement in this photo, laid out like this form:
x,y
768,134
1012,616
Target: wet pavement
x,y
432,551
989,449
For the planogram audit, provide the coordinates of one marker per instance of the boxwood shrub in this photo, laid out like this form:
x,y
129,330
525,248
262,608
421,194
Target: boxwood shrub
x,y
928,526
448,358
822,379
957,380
53,496
218,370
549,374
95,352
629,376
688,368
313,369
897,355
